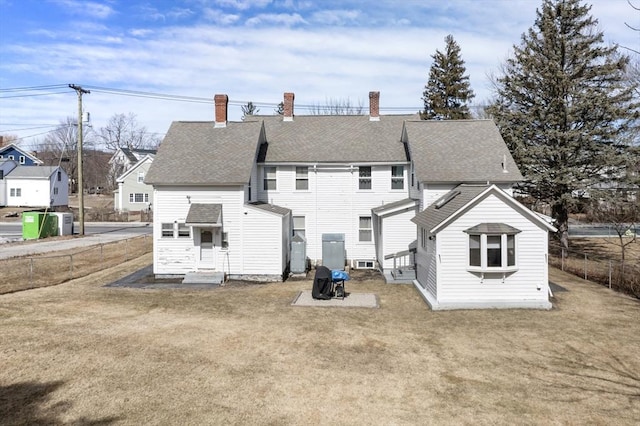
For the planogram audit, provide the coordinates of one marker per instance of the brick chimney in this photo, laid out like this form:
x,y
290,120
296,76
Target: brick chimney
x,y
288,106
374,106
221,102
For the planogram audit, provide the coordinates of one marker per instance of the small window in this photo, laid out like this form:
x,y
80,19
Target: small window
x,y
1,174
302,178
131,197
365,231
397,177
184,231
140,177
11,157
364,173
269,178
167,230
146,197
474,250
55,191
59,175
365,264
22,159
299,226
225,240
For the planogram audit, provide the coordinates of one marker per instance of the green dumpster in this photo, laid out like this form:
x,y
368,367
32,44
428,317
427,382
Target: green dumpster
x,y
39,225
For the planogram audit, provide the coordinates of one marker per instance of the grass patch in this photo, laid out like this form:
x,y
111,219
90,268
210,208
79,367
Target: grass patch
x,y
83,353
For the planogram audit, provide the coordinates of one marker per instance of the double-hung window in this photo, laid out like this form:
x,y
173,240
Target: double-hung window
x,y
269,178
492,247
365,229
140,177
364,175
302,178
397,177
167,230
299,226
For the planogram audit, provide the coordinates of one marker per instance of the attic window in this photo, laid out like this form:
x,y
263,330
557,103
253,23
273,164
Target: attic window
x,y
446,198
22,159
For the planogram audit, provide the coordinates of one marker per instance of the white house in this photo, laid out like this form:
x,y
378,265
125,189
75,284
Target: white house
x,y
361,177
133,193
5,168
479,248
124,159
42,186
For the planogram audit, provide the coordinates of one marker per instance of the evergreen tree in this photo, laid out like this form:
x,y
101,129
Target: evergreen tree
x,y
448,91
249,109
564,106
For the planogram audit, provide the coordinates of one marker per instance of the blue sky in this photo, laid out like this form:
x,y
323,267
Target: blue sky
x,y
252,50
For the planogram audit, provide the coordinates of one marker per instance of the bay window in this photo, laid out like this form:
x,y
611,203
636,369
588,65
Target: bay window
x,y
492,247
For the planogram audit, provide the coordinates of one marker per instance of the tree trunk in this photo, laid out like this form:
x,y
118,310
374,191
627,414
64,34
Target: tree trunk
x,y
560,213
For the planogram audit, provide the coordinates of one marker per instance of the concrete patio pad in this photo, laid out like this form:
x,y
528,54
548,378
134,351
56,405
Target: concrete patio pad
x,y
352,300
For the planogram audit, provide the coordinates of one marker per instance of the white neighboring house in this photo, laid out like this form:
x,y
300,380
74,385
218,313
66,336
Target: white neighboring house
x,y
133,193
480,248
5,168
41,186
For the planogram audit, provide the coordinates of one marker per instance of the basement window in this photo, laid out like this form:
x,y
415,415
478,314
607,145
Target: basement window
x,y
365,264
492,247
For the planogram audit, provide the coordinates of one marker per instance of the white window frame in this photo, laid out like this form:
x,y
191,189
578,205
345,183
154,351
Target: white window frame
x,y
138,197
397,179
22,159
140,177
184,231
270,178
299,228
508,255
302,178
167,230
365,180
364,231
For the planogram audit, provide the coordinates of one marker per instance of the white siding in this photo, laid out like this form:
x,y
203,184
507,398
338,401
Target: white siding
x,y
38,192
130,185
432,192
178,255
397,233
528,284
265,249
333,203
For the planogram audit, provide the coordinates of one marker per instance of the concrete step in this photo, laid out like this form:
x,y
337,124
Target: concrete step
x,y
203,277
404,274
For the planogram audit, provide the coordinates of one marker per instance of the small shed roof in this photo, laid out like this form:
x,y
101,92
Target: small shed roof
x,y
204,214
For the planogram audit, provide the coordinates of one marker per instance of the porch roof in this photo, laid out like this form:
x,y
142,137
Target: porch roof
x,y
204,214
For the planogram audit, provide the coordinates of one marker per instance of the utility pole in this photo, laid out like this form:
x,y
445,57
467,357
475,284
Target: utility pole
x,y
80,91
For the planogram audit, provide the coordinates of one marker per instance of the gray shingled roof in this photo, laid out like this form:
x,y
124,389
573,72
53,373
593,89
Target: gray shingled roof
x,y
32,172
326,138
204,213
492,228
197,153
459,151
433,216
390,206
282,211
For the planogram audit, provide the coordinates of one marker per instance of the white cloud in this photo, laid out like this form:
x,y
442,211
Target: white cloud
x,y
219,17
276,18
243,4
141,32
86,8
336,17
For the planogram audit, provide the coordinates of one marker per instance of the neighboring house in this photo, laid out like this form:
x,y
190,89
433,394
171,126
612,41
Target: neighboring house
x,y
6,166
124,159
43,186
133,193
19,155
361,177
480,248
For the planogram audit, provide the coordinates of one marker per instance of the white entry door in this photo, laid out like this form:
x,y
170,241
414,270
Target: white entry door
x,y
207,252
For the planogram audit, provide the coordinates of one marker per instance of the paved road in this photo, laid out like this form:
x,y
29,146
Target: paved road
x,y
110,232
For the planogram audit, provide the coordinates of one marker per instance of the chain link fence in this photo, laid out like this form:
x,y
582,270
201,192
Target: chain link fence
x,y
622,277
46,270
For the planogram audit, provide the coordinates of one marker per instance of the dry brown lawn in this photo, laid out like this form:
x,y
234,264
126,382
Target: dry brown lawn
x,y
80,353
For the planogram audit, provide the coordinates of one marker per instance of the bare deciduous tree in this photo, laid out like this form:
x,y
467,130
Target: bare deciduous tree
x,y
124,131
337,107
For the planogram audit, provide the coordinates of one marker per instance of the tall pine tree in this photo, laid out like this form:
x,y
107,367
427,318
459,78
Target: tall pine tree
x,y
448,90
563,106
